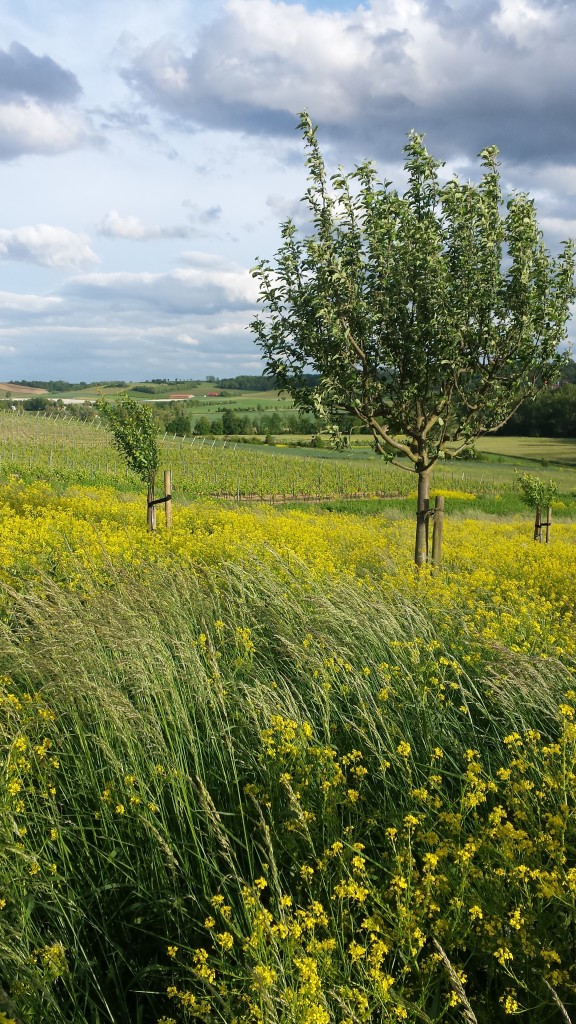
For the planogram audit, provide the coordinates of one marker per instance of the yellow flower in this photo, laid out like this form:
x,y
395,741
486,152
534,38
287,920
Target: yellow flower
x,y
503,955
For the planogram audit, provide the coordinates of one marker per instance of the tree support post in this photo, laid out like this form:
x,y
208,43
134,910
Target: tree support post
x,y
538,525
438,531
548,523
166,501
422,518
168,497
151,513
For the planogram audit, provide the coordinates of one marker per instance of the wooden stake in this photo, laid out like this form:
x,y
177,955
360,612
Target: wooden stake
x,y
548,523
151,515
168,497
538,525
438,531
422,518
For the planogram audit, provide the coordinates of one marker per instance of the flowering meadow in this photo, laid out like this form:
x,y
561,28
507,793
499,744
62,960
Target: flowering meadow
x,y
259,770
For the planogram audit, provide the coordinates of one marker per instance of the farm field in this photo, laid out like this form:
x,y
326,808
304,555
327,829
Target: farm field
x,y
67,452
537,449
258,769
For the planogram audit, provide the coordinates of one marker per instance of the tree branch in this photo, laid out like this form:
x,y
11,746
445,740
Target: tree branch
x,y
391,441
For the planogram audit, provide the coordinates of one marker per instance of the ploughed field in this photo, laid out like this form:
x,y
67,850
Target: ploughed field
x,y
259,769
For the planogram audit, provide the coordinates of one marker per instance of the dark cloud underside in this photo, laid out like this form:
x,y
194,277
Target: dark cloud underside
x,y
23,74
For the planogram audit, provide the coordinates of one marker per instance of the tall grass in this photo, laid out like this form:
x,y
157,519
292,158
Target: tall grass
x,y
213,760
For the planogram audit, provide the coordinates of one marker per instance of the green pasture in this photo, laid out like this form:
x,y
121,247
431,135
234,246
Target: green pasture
x,y
233,399
553,450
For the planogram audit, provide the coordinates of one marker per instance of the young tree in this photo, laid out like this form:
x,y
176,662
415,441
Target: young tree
x,y
538,494
134,432
431,316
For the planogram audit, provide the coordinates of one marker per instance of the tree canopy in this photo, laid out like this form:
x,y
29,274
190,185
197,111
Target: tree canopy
x,y
431,315
134,434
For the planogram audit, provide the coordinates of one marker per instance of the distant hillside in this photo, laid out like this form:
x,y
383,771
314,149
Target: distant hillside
x,y
243,382
22,389
40,386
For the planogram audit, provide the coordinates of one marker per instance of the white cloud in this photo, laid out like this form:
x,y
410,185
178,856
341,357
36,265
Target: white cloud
x,y
559,227
114,225
12,301
209,261
47,246
23,73
470,74
30,127
521,20
283,209
177,291
187,339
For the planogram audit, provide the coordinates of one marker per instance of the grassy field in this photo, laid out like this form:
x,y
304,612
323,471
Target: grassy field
x,y
537,449
258,770
67,452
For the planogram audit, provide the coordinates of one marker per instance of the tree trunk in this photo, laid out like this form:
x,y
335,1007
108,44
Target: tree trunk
x,y
422,517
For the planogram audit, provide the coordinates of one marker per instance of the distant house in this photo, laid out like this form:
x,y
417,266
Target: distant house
x,y
213,394
180,398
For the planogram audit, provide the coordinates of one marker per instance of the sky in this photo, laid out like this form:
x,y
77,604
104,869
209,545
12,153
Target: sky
x,y
149,152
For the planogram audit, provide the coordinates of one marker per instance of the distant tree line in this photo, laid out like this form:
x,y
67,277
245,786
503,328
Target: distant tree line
x,y
50,385
247,383
551,414
235,424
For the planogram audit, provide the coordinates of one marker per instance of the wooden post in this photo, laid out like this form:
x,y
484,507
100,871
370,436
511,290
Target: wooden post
x,y
548,523
438,531
538,525
151,515
168,497
422,517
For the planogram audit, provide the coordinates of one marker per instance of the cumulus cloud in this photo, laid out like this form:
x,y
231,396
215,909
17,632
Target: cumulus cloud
x,y
16,302
30,127
47,246
114,225
194,290
37,106
209,261
469,74
187,339
283,209
23,74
